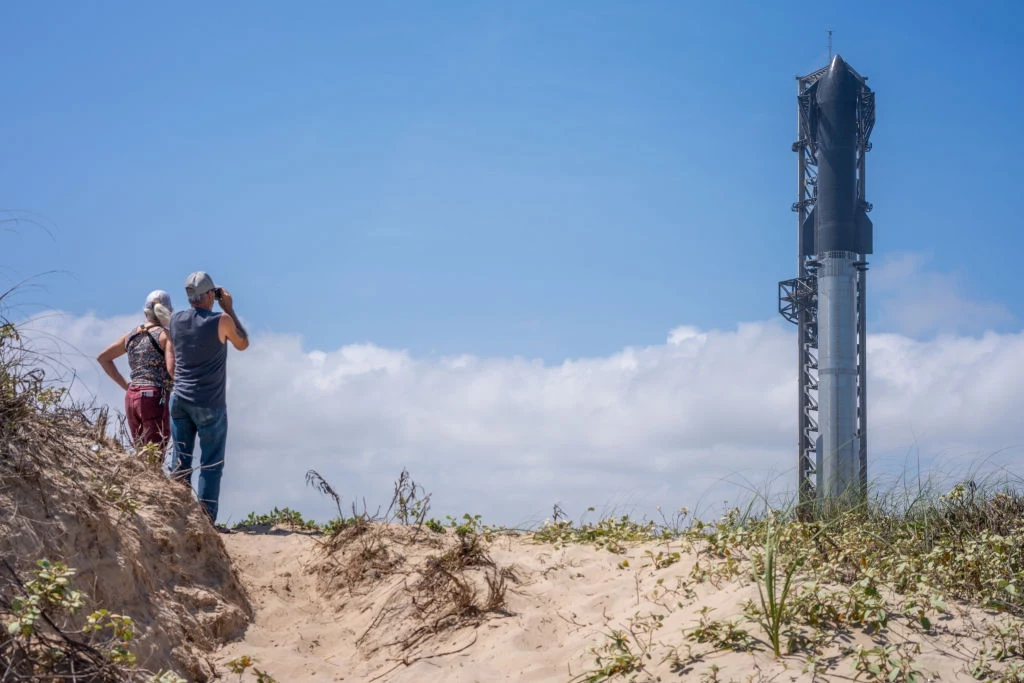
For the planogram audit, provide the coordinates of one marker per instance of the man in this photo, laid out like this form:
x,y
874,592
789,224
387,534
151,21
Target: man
x,y
199,339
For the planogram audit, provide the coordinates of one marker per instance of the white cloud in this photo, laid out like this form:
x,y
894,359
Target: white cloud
x,y
916,301
679,423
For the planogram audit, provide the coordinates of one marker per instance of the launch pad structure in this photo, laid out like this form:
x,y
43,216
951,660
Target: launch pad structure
x,y
827,300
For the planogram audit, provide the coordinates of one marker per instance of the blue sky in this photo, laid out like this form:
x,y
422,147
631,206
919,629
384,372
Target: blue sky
x,y
424,210
541,179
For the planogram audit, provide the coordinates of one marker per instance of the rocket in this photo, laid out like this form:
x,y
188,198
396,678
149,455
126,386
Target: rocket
x,y
834,238
839,221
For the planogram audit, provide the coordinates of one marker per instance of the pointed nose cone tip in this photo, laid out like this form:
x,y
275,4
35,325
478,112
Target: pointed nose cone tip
x,y
834,81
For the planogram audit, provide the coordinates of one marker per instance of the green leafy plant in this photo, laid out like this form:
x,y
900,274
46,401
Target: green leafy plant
x,y
37,640
608,534
722,635
892,663
616,658
122,629
116,494
468,525
921,603
1001,655
681,593
239,665
50,589
333,526
283,516
627,650
663,559
152,454
865,604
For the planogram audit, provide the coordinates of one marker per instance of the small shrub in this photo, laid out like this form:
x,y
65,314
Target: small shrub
x,y
626,651
283,517
240,665
722,635
892,663
38,644
608,534
409,503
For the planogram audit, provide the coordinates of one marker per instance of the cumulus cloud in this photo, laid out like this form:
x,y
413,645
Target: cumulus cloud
x,y
690,421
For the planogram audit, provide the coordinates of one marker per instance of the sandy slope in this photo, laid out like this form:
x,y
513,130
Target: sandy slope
x,y
139,543
309,627
292,626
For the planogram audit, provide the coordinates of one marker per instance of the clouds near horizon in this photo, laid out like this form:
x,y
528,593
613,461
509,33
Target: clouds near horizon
x,y
695,420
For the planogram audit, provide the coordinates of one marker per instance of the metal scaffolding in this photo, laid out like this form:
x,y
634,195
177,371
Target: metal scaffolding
x,y
798,297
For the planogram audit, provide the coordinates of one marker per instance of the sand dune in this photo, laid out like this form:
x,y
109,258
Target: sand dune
x,y
379,601
311,625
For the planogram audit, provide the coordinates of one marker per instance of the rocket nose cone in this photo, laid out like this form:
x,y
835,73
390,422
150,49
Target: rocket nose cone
x,y
835,84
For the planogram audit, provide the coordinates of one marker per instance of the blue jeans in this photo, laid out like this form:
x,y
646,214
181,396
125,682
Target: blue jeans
x,y
211,424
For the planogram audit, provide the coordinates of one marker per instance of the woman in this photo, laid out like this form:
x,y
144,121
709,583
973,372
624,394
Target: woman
x,y
151,360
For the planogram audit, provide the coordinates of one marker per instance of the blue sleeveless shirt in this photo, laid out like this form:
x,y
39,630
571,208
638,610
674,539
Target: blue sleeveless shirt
x,y
200,357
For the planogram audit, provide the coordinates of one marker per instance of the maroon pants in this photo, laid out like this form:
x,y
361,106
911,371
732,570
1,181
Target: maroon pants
x,y
148,416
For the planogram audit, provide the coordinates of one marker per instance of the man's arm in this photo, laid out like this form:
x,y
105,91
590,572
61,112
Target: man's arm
x,y
230,326
106,359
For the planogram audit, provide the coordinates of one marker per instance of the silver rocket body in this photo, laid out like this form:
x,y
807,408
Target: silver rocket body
x,y
839,468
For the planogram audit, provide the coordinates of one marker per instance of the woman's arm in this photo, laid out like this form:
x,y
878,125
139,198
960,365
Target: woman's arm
x,y
168,353
106,359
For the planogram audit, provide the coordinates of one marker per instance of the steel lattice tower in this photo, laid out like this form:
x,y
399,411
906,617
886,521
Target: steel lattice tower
x,y
799,297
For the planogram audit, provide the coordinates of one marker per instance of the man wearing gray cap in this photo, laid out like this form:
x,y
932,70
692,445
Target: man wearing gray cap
x,y
198,405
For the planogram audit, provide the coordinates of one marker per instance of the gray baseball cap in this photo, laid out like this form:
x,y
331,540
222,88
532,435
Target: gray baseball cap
x,y
198,283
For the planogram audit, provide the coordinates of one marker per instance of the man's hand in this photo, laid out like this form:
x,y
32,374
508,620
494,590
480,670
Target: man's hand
x,y
230,326
225,300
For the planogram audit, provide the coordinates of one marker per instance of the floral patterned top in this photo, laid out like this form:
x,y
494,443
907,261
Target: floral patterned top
x,y
146,358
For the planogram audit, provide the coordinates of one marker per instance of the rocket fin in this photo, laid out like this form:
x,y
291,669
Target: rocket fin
x,y
865,233
807,232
